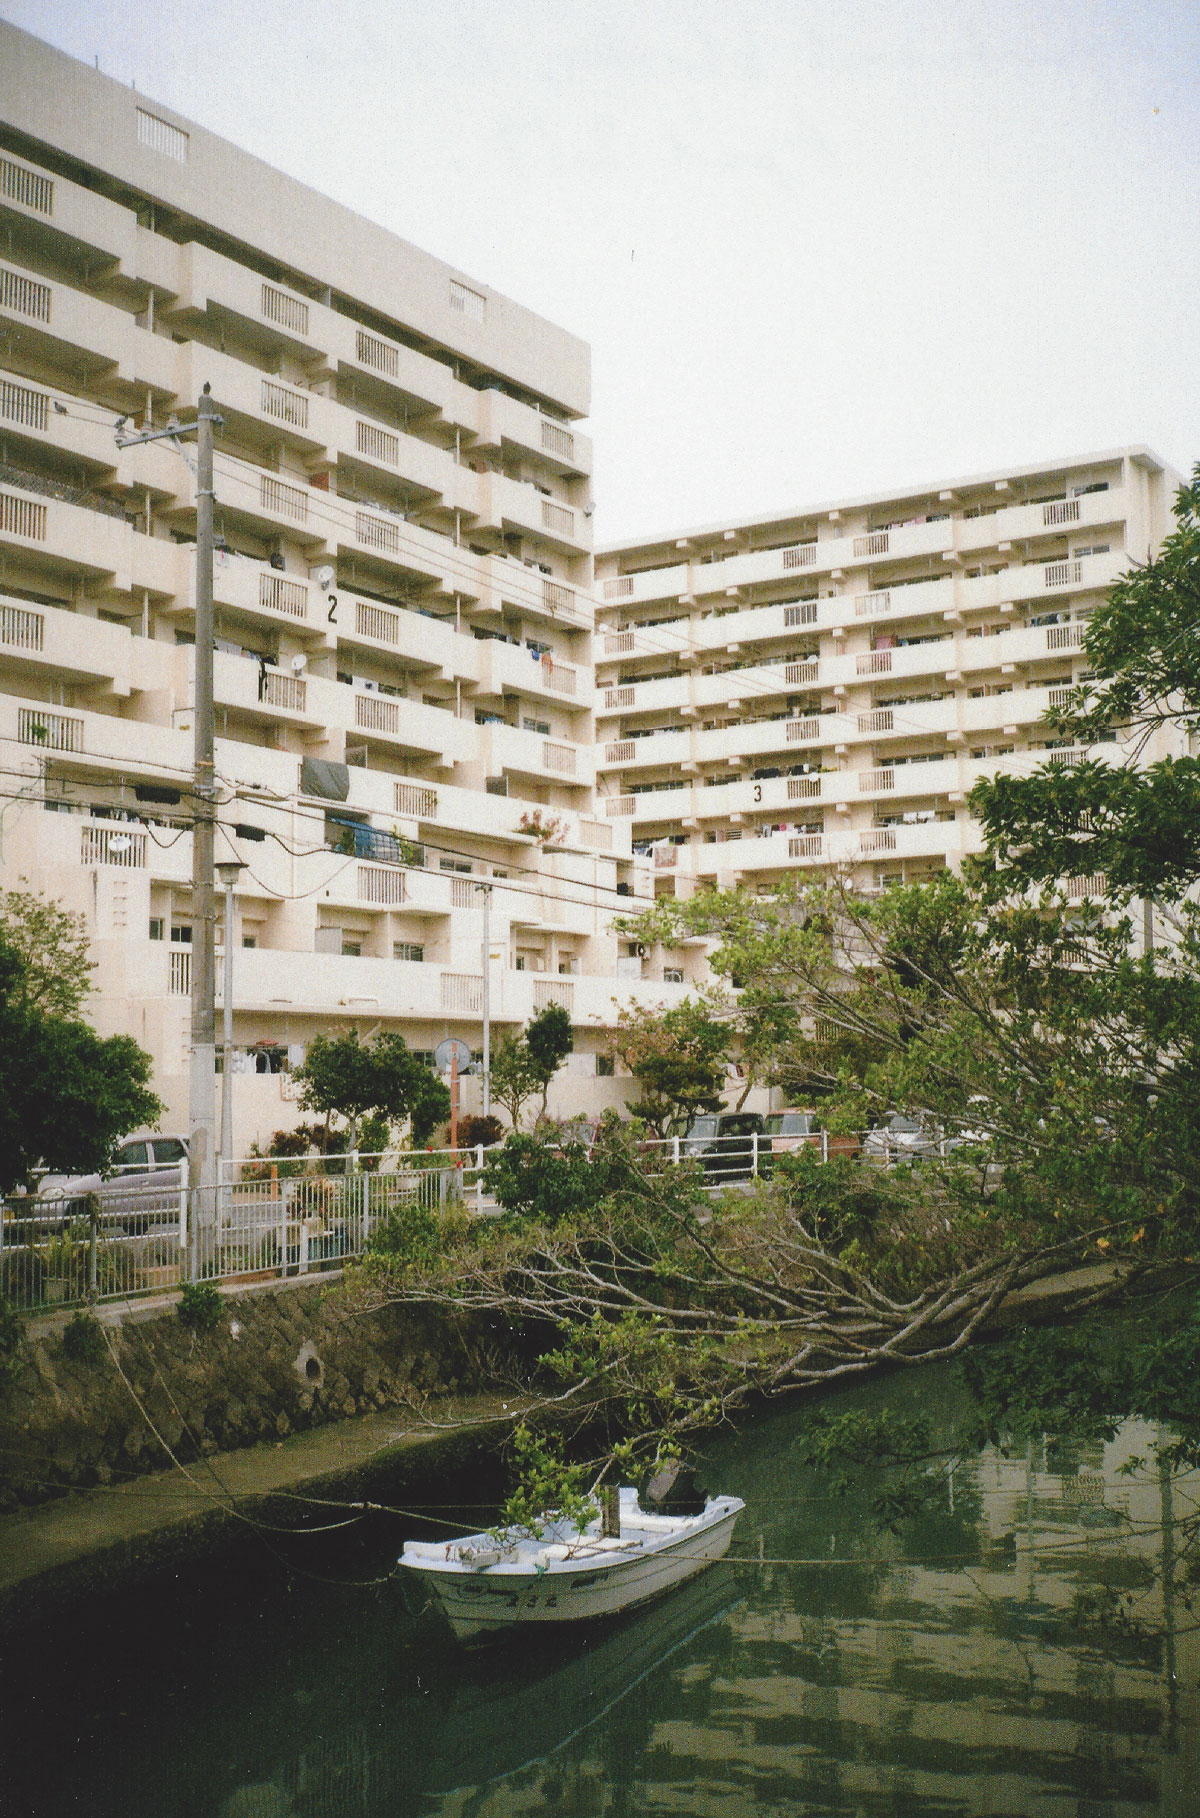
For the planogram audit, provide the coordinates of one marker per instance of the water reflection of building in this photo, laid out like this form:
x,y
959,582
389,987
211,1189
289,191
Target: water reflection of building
x,y
982,1680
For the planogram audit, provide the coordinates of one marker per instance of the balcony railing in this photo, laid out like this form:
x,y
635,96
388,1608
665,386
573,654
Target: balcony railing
x,y
1063,574
377,533
382,885
1065,637
879,839
798,675
803,788
617,643
113,845
24,296
882,720
1062,511
285,691
547,991
1094,886
22,518
800,555
558,518
618,697
286,501
285,406
874,662
179,972
377,444
557,598
621,751
559,758
286,312
415,801
378,355
29,188
376,622
49,731
462,991
871,781
875,543
873,605
619,587
277,594
21,629
803,732
559,676
803,612
617,805
806,845
22,405
556,440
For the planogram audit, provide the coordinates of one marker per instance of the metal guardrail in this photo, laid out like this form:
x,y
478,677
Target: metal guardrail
x,y
277,1219
273,1220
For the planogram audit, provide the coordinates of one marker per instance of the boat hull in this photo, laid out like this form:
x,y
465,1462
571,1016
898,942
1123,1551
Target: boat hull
x,y
482,1603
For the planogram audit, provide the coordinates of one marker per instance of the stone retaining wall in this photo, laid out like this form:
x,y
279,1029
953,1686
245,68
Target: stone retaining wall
x,y
281,1359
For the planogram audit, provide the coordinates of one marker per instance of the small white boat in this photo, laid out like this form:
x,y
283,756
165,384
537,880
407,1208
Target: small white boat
x,y
488,1582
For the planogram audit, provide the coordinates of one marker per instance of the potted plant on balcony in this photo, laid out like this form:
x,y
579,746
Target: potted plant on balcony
x,y
544,827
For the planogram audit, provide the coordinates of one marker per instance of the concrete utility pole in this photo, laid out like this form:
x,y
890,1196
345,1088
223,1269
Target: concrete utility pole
x,y
202,1172
229,870
486,891
203,1093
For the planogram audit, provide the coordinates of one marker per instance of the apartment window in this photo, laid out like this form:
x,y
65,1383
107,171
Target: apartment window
x,y
605,1066
1093,549
181,933
249,940
352,946
462,865
542,726
411,951
672,975
157,929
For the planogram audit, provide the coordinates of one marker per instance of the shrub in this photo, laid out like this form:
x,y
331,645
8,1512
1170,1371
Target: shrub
x,y
83,1339
475,1130
201,1306
10,1336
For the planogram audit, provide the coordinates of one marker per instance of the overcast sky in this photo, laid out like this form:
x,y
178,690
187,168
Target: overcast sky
x,y
817,248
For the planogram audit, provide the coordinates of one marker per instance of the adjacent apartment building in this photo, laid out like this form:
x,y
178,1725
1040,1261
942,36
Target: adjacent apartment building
x,y
403,669
821,688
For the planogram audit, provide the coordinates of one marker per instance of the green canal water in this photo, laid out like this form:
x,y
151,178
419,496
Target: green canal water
x,y
970,1664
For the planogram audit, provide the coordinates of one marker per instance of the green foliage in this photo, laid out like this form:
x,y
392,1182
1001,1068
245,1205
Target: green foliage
x,y
410,1237
545,1485
374,1135
201,1306
535,1179
10,1337
52,946
66,1094
549,1041
1140,828
514,1078
83,1339
347,1078
679,1058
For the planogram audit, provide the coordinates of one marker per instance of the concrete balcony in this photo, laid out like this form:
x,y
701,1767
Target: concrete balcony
x,y
511,505
426,645
396,724
54,535
511,750
51,644
272,317
79,740
67,213
501,422
269,696
257,406
51,322
647,753
396,375
505,669
1024,523
639,589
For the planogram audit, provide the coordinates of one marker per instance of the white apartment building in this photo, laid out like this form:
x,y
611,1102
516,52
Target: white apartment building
x,y
820,689
403,668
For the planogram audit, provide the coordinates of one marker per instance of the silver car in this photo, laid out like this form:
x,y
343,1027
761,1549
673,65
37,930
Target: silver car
x,y
144,1181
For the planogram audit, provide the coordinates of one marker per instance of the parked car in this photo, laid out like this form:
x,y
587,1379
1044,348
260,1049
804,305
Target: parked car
x,y
901,1138
729,1145
147,1173
795,1129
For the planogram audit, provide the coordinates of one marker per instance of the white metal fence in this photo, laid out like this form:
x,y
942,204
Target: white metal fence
x,y
143,1232
271,1219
